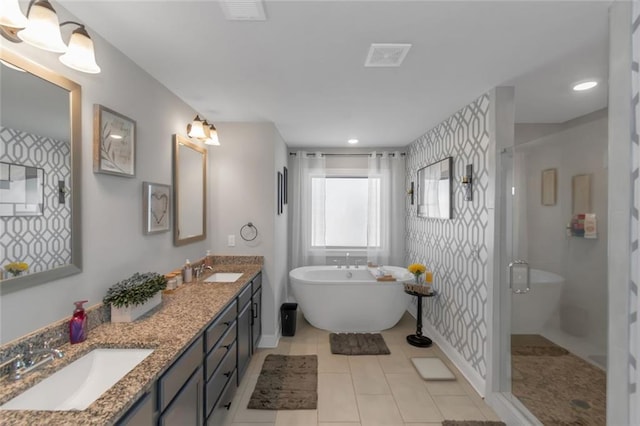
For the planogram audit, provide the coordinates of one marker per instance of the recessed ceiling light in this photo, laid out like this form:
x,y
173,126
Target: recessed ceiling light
x,y
581,86
353,141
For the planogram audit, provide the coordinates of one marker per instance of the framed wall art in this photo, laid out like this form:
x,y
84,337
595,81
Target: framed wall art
x,y
549,185
114,143
156,207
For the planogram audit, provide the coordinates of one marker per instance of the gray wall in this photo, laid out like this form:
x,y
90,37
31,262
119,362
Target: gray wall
x,y
242,189
113,244
634,294
456,250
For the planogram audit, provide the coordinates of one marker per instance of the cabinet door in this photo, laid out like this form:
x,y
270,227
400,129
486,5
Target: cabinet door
x,y
256,319
187,408
143,412
244,340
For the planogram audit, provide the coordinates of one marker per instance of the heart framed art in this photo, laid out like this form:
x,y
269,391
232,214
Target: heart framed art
x,y
156,208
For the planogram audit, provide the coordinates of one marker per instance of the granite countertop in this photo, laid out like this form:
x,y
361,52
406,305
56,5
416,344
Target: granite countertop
x,y
169,329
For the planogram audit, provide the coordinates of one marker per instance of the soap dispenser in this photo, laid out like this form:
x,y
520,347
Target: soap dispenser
x,y
78,323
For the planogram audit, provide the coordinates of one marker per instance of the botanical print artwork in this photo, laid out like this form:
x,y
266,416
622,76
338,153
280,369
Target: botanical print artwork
x,y
116,144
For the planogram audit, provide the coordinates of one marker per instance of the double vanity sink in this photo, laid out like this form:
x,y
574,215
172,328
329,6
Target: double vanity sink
x,y
120,362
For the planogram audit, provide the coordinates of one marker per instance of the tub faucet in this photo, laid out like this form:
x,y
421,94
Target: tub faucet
x,y
346,261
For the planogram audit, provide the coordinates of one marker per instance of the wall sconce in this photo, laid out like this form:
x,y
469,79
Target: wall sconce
x,y
411,192
467,183
42,30
201,130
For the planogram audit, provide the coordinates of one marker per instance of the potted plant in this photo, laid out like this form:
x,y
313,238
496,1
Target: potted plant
x,y
135,296
16,268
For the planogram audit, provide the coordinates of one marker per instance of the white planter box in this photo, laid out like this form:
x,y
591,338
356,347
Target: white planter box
x,y
131,313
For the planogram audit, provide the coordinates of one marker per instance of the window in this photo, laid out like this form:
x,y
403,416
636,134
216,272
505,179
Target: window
x,y
343,215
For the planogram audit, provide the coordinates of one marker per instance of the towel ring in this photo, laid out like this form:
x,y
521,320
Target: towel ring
x,y
249,232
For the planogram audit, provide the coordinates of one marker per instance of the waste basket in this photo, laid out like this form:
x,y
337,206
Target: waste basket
x,y
288,318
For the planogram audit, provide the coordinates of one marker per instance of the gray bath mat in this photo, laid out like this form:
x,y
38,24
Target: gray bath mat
x,y
287,382
358,344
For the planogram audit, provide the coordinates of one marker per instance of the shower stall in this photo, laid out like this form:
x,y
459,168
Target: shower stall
x,y
555,263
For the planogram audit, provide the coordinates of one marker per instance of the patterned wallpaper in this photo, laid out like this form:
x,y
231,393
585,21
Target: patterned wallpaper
x,y
457,249
634,308
43,241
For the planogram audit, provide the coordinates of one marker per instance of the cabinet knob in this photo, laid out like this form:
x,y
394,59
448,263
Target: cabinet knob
x,y
227,406
228,373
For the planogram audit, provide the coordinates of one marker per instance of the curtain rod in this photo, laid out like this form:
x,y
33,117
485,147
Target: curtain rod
x,y
391,154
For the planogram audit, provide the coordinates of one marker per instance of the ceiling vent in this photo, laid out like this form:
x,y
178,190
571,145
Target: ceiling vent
x,y
386,54
243,10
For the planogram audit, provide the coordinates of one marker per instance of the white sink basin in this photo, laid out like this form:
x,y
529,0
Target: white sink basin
x,y
80,383
223,277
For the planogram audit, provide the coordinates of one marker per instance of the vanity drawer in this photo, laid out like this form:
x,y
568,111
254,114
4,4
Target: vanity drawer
x,y
215,386
220,325
223,407
176,376
224,346
245,297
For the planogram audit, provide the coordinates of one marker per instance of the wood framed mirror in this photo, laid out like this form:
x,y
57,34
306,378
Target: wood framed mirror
x,y
189,191
40,129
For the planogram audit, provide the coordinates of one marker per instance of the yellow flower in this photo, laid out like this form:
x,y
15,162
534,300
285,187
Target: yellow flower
x,y
417,268
15,267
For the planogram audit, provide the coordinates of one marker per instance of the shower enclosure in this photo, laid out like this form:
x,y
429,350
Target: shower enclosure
x,y
554,269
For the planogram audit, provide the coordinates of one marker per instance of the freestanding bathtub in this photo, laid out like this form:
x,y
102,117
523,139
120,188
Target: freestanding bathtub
x,y
532,311
350,300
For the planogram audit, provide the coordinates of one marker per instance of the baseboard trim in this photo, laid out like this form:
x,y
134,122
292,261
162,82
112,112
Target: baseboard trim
x,y
474,378
269,341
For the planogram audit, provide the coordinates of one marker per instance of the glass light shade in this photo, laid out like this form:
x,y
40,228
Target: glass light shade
x,y
80,55
43,28
195,129
11,15
213,136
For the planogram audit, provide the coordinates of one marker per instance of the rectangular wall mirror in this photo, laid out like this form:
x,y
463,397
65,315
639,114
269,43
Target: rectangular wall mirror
x,y
190,191
434,190
40,137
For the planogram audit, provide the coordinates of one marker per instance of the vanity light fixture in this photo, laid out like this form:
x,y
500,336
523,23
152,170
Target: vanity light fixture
x,y
581,86
11,16
42,30
211,134
203,131
195,129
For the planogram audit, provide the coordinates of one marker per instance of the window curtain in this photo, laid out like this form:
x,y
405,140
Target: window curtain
x,y
386,210
303,227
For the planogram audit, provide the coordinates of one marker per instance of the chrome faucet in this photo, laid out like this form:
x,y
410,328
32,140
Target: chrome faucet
x,y
22,364
346,261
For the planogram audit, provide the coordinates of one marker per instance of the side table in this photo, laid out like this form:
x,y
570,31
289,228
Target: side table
x,y
418,339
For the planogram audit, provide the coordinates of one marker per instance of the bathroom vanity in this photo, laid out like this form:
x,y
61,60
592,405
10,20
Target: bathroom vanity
x,y
203,337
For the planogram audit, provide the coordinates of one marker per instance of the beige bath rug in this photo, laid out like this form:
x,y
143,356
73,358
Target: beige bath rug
x,y
287,382
358,344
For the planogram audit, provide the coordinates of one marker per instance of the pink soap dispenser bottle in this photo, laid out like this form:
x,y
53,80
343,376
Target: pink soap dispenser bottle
x,y
78,324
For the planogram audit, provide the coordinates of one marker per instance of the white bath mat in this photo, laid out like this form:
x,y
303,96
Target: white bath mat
x,y
432,368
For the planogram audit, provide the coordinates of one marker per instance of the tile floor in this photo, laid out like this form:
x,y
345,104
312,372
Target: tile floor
x,y
364,390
